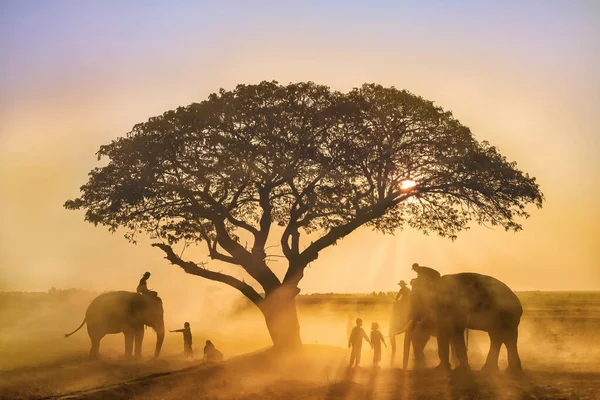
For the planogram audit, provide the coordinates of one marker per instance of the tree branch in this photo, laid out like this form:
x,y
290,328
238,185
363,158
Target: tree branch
x,y
193,269
296,269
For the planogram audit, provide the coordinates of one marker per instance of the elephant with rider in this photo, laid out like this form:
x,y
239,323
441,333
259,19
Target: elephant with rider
x,y
127,313
453,303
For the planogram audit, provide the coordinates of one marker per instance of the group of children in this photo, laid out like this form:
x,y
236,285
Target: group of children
x,y
210,351
356,339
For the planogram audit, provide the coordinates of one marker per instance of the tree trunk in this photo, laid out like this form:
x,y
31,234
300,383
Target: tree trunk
x,y
281,316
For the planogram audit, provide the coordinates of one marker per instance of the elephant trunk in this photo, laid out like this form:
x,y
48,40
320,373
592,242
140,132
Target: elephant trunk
x,y
406,350
160,336
406,327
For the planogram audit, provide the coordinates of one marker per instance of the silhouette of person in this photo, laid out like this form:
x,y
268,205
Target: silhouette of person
x,y
187,340
355,342
211,353
426,273
349,326
376,340
142,287
404,292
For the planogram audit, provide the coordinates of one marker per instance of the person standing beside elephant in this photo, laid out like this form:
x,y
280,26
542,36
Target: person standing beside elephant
x,y
142,287
376,340
355,342
187,340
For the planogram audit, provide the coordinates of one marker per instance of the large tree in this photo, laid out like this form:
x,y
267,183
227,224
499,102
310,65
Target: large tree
x,y
315,163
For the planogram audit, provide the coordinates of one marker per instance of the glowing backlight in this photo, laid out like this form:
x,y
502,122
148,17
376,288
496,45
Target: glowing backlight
x,y
407,184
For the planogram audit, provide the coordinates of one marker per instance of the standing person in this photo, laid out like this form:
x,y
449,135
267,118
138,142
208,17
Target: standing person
x,y
404,292
355,342
376,340
142,287
187,340
349,326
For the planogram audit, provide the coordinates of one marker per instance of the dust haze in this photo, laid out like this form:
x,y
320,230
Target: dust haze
x,y
509,110
559,332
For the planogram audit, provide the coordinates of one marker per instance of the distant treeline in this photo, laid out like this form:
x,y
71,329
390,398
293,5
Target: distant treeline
x,y
531,299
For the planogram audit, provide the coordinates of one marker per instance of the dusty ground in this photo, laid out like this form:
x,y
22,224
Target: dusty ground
x,y
318,372
559,345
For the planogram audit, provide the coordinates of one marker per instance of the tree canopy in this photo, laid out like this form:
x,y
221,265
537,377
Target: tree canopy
x,y
305,158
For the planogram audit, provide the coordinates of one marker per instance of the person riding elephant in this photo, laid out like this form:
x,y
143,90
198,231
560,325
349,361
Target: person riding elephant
x,y
142,287
127,312
466,301
426,273
423,286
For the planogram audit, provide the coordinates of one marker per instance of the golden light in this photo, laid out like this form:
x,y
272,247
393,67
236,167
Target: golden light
x,y
407,184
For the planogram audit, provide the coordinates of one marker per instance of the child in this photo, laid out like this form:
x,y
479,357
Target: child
x,y
376,340
187,340
211,353
356,337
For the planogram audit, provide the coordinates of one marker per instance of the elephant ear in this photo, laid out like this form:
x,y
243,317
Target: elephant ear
x,y
138,306
423,299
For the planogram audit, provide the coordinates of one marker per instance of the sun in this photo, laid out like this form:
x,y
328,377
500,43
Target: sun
x,y
407,184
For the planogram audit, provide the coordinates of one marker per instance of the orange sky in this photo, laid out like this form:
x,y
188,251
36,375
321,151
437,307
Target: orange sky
x,y
79,75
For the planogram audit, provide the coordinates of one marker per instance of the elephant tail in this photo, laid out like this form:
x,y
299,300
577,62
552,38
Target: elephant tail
x,y
82,324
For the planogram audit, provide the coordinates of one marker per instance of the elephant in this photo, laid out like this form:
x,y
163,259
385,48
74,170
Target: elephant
x,y
127,312
418,335
457,302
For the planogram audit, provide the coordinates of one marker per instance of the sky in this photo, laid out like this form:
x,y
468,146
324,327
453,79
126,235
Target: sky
x,y
521,74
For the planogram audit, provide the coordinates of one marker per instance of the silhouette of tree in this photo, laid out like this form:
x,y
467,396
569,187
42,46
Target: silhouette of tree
x,y
317,163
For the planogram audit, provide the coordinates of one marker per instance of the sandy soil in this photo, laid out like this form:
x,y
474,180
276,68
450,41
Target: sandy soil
x,y
317,372
559,346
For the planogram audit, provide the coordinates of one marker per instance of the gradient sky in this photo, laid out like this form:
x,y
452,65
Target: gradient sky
x,y
75,75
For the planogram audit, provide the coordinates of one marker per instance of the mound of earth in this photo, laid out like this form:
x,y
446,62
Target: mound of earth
x,y
320,372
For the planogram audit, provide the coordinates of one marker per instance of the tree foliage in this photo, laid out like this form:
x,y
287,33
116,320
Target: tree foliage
x,y
305,158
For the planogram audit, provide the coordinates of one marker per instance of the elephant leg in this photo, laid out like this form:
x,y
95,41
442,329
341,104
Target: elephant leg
x,y
408,337
139,339
491,362
443,340
95,349
129,335
514,361
458,340
453,355
419,340
393,344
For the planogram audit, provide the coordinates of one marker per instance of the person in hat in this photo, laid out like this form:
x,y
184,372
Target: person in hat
x,y
142,287
404,292
428,274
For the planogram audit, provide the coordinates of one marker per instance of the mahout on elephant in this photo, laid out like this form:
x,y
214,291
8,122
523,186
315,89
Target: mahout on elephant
x,y
127,313
455,303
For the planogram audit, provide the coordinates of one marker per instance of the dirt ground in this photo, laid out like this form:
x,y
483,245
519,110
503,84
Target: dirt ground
x,y
318,372
559,346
